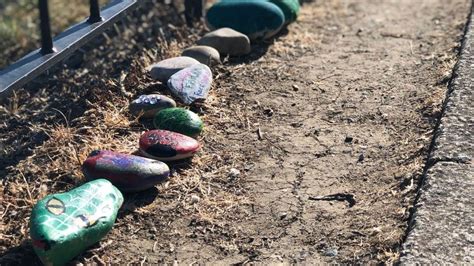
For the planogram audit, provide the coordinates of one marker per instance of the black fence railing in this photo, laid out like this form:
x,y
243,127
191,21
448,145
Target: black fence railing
x,y
55,50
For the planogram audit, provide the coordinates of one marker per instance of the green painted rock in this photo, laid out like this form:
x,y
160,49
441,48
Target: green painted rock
x,y
179,120
256,19
63,225
290,8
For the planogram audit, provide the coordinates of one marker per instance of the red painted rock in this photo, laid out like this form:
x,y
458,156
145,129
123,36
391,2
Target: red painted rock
x,y
129,173
165,145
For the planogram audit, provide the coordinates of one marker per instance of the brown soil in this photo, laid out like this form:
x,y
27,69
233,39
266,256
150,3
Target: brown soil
x,y
342,103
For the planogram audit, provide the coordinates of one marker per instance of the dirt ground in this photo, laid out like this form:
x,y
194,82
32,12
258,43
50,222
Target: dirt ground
x,y
328,126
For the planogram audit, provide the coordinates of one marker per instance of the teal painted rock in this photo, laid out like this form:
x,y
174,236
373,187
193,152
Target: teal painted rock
x,y
63,225
290,8
192,83
147,106
179,120
227,41
256,19
164,69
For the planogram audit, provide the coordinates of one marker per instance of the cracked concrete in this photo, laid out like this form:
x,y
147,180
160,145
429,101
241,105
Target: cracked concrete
x,y
441,229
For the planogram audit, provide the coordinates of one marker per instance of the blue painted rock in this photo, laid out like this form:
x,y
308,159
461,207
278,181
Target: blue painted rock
x,y
256,19
204,54
179,120
164,69
148,105
227,42
290,8
129,173
165,145
192,83
63,225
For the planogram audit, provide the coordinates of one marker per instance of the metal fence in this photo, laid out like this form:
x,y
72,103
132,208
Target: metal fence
x,y
62,46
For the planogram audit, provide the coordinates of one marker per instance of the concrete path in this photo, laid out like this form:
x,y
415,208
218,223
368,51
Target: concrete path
x,y
442,229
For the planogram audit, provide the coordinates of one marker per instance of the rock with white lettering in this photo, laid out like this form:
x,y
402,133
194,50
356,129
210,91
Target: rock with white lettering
x,y
164,69
192,83
227,41
165,145
204,54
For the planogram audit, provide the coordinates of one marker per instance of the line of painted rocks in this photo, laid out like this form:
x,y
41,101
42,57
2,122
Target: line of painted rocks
x,y
165,145
129,173
63,225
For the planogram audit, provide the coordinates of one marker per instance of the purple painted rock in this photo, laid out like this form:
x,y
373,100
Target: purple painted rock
x,y
148,105
164,69
129,173
192,83
165,145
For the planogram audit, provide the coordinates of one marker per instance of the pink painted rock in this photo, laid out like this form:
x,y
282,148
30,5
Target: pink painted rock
x,y
129,173
192,83
165,145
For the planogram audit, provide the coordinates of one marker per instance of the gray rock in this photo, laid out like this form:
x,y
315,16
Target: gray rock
x,y
227,41
204,54
164,69
192,83
148,105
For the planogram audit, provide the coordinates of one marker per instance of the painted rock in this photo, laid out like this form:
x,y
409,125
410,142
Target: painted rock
x,y
290,8
204,54
192,83
148,105
256,19
163,70
165,145
63,225
227,42
129,173
179,120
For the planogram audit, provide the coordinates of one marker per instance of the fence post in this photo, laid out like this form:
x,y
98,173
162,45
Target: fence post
x,y
45,27
94,12
193,10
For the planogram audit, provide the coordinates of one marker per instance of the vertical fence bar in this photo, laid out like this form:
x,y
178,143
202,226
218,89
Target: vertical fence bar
x,y
45,27
193,10
94,12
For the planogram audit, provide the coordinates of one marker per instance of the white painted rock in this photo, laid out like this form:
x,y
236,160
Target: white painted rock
x,y
164,69
204,54
191,83
227,41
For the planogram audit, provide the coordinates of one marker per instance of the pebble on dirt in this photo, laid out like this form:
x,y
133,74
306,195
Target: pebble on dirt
x,y
164,69
147,106
256,19
227,42
129,173
179,120
204,54
165,145
192,83
63,225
